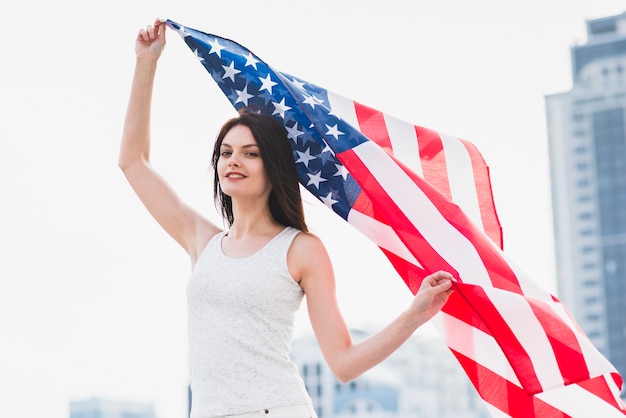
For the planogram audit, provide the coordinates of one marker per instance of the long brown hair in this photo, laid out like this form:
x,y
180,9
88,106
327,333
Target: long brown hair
x,y
285,202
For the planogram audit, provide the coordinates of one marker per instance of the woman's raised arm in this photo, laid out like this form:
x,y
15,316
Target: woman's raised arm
x,y
185,225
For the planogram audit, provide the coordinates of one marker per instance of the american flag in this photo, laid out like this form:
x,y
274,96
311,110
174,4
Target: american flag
x,y
424,198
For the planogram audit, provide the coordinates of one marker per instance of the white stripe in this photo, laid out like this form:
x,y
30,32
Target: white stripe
x,y
343,108
579,403
461,178
522,321
404,143
451,245
381,234
473,343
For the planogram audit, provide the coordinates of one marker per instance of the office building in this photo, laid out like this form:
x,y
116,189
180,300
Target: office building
x,y
587,147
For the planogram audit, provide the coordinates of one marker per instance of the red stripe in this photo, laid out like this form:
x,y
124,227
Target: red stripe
x,y
488,214
568,352
504,395
514,351
372,125
410,273
433,160
601,389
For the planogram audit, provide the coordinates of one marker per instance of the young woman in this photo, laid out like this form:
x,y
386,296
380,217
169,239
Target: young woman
x,y
248,281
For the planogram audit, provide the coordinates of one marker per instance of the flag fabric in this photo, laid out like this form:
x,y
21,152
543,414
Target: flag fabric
x,y
424,198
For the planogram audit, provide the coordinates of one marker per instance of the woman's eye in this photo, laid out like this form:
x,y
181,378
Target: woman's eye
x,y
252,154
225,153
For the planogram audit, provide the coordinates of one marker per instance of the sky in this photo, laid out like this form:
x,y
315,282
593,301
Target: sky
x,y
92,291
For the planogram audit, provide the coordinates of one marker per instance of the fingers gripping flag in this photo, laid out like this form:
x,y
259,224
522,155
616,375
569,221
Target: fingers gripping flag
x,y
424,198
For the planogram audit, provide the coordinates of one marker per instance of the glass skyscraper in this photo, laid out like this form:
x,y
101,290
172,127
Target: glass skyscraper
x,y
587,146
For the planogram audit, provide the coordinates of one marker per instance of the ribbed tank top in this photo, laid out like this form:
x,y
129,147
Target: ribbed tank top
x,y
241,315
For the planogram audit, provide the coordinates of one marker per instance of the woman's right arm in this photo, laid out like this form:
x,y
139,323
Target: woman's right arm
x,y
186,226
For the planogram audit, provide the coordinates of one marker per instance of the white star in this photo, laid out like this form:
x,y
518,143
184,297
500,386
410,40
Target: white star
x,y
299,84
328,200
250,60
267,84
293,133
327,148
281,108
198,57
181,31
216,48
334,131
305,157
243,96
315,179
230,71
341,171
312,101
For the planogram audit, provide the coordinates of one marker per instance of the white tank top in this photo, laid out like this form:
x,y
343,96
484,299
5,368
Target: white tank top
x,y
240,326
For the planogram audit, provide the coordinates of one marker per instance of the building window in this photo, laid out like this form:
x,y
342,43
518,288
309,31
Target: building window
x,y
582,183
587,250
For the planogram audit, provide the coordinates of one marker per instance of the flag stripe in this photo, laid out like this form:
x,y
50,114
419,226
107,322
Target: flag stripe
x,y
587,404
489,216
476,344
404,144
434,159
382,235
461,177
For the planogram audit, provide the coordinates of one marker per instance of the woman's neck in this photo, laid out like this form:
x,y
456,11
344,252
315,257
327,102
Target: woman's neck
x,y
252,220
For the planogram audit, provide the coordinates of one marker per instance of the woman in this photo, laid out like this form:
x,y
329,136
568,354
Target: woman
x,y
248,281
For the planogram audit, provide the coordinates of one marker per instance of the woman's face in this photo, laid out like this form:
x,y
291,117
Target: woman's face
x,y
240,167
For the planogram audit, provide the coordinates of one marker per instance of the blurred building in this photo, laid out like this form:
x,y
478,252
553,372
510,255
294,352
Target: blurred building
x,y
103,408
421,379
587,146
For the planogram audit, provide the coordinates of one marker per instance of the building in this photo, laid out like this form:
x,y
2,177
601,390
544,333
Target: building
x,y
587,148
421,379
104,408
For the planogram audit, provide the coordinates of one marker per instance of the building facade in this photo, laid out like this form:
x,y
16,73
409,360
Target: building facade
x,y
587,148
421,379
104,408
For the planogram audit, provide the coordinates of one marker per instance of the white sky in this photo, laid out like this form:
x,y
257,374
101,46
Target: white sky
x,y
92,291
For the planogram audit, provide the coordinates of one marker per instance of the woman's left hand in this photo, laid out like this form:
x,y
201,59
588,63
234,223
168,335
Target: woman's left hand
x,y
432,295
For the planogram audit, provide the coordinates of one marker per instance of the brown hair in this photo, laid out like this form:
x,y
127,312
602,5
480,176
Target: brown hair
x,y
285,202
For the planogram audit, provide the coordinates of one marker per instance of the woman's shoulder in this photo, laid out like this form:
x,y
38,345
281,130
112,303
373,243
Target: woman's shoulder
x,y
307,246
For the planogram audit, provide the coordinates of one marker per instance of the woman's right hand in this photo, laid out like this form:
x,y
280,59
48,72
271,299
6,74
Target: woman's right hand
x,y
150,41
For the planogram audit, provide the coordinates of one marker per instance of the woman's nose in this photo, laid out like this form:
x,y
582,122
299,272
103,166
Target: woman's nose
x,y
233,160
